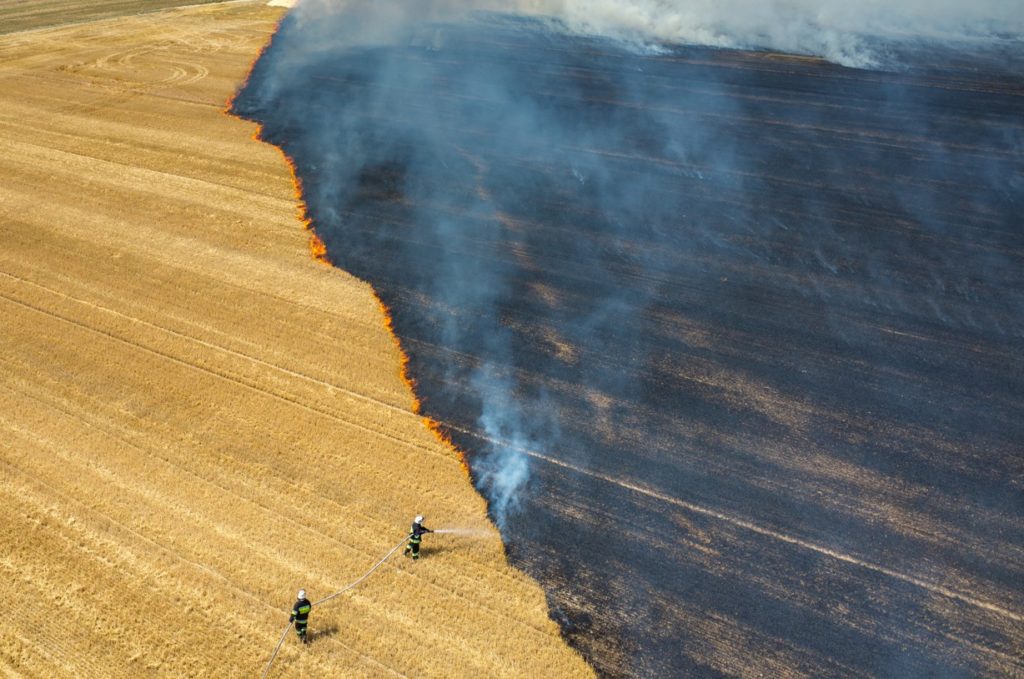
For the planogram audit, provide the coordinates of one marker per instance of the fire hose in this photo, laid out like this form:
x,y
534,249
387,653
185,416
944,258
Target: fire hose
x,y
344,589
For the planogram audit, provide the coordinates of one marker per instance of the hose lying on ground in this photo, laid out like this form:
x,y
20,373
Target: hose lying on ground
x,y
344,589
276,649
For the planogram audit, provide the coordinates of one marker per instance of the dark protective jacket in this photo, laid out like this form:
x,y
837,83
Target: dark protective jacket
x,y
300,611
418,529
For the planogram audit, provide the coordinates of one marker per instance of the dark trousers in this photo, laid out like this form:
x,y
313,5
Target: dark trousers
x,y
300,628
414,547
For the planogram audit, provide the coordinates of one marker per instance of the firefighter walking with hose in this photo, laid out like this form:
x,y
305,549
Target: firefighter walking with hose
x,y
300,615
415,536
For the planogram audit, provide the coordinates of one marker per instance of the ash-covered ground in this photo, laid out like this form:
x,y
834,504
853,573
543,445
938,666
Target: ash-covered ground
x,y
733,340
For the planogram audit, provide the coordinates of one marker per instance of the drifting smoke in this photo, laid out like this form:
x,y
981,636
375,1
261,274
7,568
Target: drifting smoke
x,y
841,31
504,472
857,34
684,270
392,135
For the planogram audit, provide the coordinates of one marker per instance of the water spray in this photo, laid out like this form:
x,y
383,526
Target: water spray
x,y
466,532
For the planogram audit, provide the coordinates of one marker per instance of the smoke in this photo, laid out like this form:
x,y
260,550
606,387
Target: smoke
x,y
502,473
841,31
858,34
425,176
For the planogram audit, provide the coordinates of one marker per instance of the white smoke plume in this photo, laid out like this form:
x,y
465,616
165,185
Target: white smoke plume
x,y
504,470
841,31
853,33
838,30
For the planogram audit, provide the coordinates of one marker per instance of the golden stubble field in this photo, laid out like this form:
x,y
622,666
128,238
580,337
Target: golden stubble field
x,y
196,418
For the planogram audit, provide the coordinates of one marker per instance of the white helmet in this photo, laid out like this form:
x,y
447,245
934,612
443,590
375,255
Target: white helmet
x,y
301,594
419,519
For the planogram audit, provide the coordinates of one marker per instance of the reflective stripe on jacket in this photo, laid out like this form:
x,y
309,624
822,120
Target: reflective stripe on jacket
x,y
418,529
300,611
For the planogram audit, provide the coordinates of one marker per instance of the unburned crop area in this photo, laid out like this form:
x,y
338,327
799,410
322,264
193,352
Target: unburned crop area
x,y
197,418
23,15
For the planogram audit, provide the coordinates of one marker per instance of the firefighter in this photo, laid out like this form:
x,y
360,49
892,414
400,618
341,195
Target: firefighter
x,y
418,529
300,615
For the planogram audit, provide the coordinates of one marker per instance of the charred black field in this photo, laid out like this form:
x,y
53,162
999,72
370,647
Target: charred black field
x,y
733,340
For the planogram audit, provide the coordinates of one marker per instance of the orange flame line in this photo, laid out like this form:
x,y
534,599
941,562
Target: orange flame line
x,y
230,102
317,247
432,425
441,435
318,250
403,368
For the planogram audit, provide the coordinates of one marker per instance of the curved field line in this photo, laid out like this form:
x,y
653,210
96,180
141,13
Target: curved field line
x,y
32,479
319,411
234,380
177,468
637,488
209,345
760,530
174,553
317,534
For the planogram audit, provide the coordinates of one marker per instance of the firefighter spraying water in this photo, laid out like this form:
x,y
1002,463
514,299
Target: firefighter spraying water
x,y
302,606
415,537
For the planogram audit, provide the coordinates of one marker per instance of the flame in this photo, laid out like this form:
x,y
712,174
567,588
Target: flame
x,y
441,435
432,425
230,102
317,247
318,250
403,368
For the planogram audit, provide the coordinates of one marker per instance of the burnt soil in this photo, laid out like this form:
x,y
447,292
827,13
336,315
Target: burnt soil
x,y
757,320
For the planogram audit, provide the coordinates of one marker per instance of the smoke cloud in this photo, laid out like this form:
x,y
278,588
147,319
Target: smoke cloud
x,y
434,171
859,34
843,32
782,289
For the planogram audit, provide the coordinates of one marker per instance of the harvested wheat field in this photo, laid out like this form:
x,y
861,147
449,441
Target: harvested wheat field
x,y
197,417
